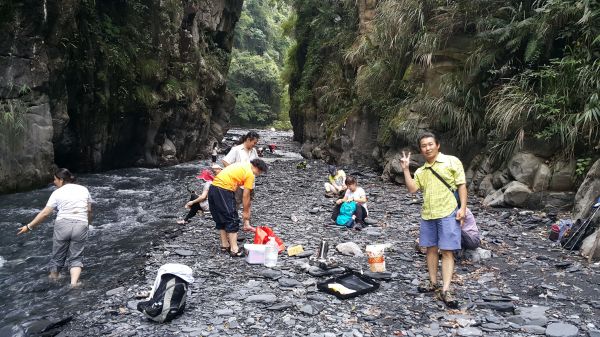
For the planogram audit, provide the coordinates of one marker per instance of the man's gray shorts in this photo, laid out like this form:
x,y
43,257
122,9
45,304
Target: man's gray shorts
x,y
68,243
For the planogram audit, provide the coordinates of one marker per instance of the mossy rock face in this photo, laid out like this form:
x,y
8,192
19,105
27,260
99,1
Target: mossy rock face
x,y
112,80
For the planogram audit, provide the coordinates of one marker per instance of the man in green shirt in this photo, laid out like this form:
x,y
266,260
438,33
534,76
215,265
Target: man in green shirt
x,y
441,216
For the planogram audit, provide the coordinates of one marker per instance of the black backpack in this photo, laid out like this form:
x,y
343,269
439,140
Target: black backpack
x,y
168,301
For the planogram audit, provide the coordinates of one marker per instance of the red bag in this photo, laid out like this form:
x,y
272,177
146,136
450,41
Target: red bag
x,y
262,234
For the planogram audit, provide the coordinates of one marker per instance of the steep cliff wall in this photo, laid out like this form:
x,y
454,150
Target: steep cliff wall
x,y
93,85
369,75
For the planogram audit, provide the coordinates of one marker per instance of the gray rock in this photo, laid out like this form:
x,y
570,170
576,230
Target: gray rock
x,y
224,312
523,166
311,310
469,331
541,180
271,273
478,254
498,306
533,329
184,252
486,186
594,333
289,282
494,326
587,193
516,194
552,201
495,199
132,305
349,248
168,148
562,176
280,306
534,315
115,291
261,298
500,179
561,330
306,253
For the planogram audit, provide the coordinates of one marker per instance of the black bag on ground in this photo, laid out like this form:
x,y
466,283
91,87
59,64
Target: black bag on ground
x,y
168,301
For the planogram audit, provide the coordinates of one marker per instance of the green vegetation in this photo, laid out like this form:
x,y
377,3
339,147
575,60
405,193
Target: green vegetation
x,y
118,65
12,114
493,71
256,65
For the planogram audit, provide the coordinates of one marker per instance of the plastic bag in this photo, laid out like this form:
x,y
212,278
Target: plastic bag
x,y
262,234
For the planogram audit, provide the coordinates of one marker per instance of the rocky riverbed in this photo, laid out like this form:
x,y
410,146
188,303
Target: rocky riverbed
x,y
528,286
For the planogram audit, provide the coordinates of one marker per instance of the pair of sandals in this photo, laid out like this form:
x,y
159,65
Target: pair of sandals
x,y
239,253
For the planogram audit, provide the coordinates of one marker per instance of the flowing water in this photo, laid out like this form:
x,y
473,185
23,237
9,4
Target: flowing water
x,y
132,207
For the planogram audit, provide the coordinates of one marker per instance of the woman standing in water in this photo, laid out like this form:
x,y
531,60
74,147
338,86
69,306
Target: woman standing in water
x,y
71,226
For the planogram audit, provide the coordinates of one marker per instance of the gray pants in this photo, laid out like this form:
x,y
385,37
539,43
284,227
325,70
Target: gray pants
x,y
68,243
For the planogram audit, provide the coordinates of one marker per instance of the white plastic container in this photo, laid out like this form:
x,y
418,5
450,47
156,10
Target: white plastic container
x,y
271,252
256,253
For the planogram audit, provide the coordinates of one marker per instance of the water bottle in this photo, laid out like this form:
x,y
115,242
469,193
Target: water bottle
x,y
271,252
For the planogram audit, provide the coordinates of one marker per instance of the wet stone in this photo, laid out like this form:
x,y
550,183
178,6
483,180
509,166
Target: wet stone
x,y
224,312
289,282
184,252
533,329
498,306
115,291
494,326
262,298
561,330
306,253
271,274
469,331
280,306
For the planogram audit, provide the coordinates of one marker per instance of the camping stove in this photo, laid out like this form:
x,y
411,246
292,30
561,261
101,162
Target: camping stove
x,y
321,260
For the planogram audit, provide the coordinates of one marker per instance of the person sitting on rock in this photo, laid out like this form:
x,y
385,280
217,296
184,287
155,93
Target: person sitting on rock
x,y
336,185
221,200
356,194
272,148
196,202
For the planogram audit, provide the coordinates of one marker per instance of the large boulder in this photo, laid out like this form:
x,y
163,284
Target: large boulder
x,y
551,201
486,187
306,150
562,176
588,192
168,148
495,199
500,179
523,166
588,248
516,194
541,180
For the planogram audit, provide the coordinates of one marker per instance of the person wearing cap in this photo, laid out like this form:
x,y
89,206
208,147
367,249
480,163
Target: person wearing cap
x,y
196,202
221,200
337,182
